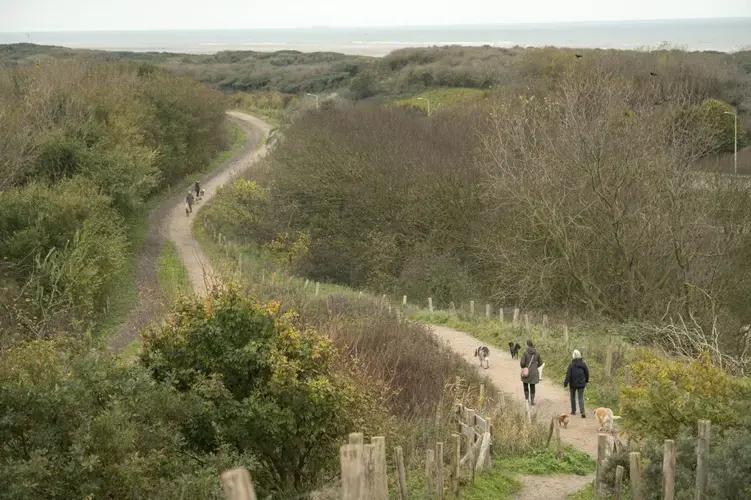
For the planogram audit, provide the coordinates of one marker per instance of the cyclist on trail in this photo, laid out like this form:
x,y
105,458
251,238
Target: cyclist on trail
x,y
189,200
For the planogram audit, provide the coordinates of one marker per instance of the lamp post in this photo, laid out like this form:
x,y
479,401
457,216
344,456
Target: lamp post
x,y
426,100
735,139
316,96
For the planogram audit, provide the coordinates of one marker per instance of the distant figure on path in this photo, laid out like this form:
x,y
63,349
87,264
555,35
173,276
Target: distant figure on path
x,y
577,378
198,189
530,374
189,201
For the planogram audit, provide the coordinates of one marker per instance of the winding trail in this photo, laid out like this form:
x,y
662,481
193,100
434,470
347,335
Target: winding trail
x,y
168,221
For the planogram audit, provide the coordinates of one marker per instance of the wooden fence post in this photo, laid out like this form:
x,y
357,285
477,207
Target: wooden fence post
x,y
237,484
359,295
351,462
472,308
318,288
565,335
500,315
602,445
618,481
381,491
668,470
634,471
609,361
401,476
487,311
306,284
430,304
456,445
527,328
702,461
544,326
515,320
430,457
404,300
439,471
368,459
626,375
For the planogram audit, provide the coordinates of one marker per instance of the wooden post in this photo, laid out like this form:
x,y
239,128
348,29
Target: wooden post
x,y
318,288
429,474
381,491
565,335
627,375
368,459
634,470
487,311
618,481
668,470
439,471
359,295
500,315
702,461
404,300
515,320
602,444
544,326
237,484
351,462
609,361
526,324
430,304
456,445
472,308
401,476
306,283
356,438
527,414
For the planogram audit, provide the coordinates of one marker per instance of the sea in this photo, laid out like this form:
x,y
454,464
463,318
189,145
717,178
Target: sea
x,y
723,35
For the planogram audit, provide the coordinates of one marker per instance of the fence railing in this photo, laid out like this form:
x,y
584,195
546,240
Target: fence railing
x,y
605,447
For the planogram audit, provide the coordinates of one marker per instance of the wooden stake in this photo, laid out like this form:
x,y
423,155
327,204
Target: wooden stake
x,y
702,461
618,481
634,460
668,470
237,484
401,476
439,487
455,458
429,474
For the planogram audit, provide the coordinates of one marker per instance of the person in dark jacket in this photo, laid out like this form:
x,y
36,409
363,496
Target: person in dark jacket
x,y
577,378
530,360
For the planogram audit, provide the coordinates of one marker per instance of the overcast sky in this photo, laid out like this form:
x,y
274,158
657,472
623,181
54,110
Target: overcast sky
x,y
106,15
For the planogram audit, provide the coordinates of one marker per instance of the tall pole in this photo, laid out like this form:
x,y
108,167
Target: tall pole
x,y
735,141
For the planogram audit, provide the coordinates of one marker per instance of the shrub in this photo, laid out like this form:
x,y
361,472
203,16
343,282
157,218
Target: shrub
x,y
77,423
267,387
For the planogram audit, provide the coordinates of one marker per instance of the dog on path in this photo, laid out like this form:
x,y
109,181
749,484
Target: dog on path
x,y
483,353
605,416
539,369
514,350
563,420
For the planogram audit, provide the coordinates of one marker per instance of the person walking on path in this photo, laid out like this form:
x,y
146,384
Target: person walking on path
x,y
198,189
530,362
189,201
577,378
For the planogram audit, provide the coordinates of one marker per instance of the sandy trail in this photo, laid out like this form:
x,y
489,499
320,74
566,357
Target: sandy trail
x,y
551,398
196,264
168,220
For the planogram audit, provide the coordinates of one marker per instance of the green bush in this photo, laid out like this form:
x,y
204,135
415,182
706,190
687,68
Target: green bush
x,y
77,423
268,387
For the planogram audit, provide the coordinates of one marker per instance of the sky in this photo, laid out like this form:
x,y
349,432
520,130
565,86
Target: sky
x,y
126,15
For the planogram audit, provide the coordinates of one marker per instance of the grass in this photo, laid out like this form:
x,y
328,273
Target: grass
x,y
442,97
591,340
125,297
495,485
172,275
544,462
588,493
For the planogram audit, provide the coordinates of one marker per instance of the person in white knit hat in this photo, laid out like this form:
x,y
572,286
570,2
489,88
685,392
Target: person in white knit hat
x,y
577,378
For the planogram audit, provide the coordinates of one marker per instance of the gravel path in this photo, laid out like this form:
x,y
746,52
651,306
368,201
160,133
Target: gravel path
x,y
168,220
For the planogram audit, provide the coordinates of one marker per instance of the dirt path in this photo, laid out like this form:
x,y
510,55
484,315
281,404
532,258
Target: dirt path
x,y
178,230
168,220
551,399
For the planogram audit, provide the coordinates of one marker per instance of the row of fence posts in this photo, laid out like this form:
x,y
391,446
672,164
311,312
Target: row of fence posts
x,y
605,447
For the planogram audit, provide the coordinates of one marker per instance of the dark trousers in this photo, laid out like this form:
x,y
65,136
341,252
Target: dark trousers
x,y
528,388
574,392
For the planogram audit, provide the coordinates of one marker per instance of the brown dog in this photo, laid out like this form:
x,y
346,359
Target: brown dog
x,y
605,416
563,420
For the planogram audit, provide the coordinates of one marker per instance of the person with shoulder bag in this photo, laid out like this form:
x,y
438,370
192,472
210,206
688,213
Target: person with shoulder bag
x,y
530,361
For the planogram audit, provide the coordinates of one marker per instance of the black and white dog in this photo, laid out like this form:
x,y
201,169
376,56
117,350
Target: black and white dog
x,y
514,350
483,353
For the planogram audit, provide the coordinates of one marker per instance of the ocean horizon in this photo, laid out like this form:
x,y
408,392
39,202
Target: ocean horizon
x,y
721,35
